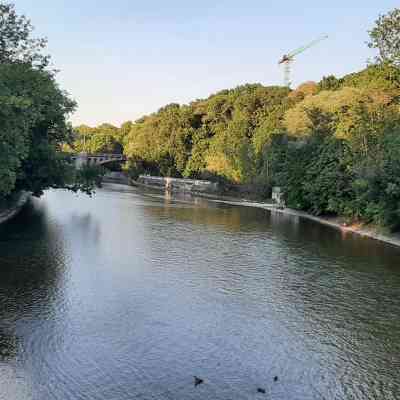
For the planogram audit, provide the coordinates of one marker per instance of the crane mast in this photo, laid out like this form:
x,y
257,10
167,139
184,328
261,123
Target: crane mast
x,y
287,59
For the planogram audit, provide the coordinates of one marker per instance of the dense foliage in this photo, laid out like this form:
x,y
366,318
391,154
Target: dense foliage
x,y
104,138
16,42
33,115
333,146
385,36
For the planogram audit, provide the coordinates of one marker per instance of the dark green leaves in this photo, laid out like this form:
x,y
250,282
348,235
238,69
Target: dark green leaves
x,y
16,42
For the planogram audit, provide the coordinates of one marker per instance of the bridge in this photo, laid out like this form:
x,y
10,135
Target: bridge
x,y
96,159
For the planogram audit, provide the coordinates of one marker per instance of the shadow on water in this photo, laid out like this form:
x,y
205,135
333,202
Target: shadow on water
x,y
30,217
8,346
301,234
31,255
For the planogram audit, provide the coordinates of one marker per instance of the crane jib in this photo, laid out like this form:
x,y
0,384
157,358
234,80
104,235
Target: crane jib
x,y
301,49
288,58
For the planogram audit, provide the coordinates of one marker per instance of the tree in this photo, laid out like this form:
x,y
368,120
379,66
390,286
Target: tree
x,y
344,106
32,129
329,82
33,115
305,89
384,76
385,36
14,117
16,42
105,138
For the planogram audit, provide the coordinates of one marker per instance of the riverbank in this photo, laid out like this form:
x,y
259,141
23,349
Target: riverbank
x,y
13,207
334,222
338,223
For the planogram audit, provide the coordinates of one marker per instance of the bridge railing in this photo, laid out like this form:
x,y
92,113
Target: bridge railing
x,y
97,159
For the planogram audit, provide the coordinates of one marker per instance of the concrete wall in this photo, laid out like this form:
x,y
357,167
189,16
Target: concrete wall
x,y
116,177
179,185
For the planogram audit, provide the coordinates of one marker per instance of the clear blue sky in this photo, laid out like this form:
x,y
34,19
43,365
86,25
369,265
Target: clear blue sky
x,y
121,59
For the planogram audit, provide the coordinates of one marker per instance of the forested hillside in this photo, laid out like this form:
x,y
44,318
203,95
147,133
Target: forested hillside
x,y
333,146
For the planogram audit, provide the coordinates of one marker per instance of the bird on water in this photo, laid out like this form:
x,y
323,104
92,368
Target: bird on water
x,y
197,381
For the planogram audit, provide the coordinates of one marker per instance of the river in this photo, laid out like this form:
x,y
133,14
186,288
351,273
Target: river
x,y
128,295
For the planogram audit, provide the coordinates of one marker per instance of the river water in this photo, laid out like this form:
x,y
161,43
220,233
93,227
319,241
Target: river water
x,y
129,296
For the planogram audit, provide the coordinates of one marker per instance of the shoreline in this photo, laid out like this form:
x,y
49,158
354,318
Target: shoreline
x,y
10,212
362,230
365,231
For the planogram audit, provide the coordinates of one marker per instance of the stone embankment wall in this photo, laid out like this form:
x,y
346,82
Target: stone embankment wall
x,y
116,177
11,207
178,185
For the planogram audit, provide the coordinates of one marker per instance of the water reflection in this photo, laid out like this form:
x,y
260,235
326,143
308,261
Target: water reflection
x,y
31,254
84,228
199,214
128,296
32,257
8,346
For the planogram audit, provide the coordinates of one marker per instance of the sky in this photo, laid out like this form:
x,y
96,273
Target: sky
x,y
123,59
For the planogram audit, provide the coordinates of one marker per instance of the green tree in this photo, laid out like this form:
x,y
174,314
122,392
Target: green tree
x,y
33,114
330,82
105,138
16,42
385,36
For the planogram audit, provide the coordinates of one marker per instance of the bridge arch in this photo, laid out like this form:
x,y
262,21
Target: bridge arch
x,y
96,159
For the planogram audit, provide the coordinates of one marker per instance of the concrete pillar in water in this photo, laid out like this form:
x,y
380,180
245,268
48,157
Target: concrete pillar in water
x,y
277,196
168,185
